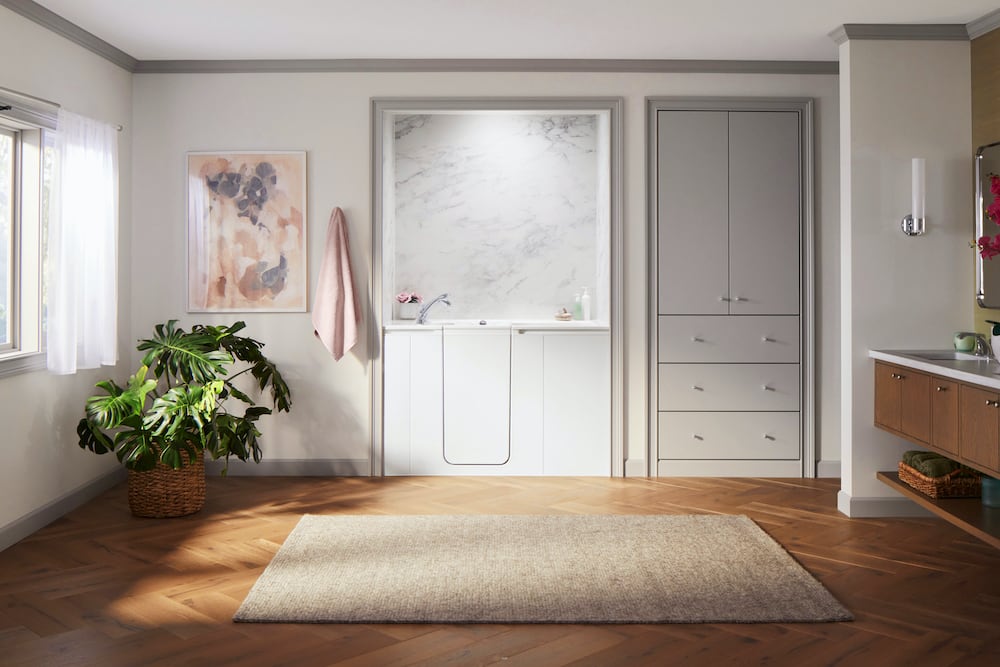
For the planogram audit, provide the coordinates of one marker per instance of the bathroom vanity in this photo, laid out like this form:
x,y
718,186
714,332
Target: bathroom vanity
x,y
497,398
948,402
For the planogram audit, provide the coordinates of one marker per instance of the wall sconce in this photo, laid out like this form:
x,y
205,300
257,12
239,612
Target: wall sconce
x,y
913,224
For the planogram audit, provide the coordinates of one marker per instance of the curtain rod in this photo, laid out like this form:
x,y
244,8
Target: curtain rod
x,y
7,107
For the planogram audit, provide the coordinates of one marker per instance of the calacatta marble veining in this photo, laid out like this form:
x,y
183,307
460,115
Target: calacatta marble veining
x,y
497,209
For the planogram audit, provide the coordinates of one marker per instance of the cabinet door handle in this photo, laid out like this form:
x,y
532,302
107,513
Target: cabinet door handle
x,y
942,388
740,298
697,339
768,436
697,437
767,387
725,298
897,376
993,404
767,339
697,388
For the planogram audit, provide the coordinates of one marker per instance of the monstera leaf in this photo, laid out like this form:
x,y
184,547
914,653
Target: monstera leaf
x,y
182,408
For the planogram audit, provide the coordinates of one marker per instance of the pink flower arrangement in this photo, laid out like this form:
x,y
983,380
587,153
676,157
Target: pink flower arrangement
x,y
990,247
409,297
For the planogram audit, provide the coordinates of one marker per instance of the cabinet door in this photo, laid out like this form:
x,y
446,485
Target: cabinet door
x,y
477,397
944,415
764,212
577,400
915,404
692,212
979,434
887,396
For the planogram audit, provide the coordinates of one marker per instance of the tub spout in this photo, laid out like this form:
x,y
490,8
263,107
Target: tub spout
x,y
422,315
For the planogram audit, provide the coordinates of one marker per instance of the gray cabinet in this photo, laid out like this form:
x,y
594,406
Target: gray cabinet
x,y
729,278
728,212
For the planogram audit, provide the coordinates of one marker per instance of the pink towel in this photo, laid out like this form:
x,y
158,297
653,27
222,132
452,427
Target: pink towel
x,y
335,313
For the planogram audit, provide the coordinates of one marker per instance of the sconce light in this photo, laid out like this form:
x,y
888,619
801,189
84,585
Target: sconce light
x,y
913,224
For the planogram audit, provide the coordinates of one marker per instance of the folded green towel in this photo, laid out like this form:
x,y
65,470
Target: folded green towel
x,y
930,463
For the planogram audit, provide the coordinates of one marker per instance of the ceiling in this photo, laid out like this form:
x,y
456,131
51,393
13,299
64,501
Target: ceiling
x,y
601,29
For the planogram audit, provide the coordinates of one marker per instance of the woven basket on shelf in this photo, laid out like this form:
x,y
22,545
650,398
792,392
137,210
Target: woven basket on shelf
x,y
164,492
956,484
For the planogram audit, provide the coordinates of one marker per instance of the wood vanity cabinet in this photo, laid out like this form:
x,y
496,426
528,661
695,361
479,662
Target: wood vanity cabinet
x,y
980,430
957,419
902,401
944,414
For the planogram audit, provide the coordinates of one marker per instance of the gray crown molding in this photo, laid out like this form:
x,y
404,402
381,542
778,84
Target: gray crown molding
x,y
907,31
362,65
984,24
74,33
57,24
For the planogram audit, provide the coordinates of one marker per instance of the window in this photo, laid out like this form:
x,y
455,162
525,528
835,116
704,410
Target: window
x,y
25,175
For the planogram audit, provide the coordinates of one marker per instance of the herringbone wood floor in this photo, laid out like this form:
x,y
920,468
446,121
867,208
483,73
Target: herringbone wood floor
x,y
99,587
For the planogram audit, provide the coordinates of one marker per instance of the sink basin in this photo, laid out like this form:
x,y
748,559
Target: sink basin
x,y
947,355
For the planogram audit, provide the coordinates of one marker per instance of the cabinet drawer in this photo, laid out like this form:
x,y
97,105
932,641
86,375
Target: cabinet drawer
x,y
728,435
716,387
707,339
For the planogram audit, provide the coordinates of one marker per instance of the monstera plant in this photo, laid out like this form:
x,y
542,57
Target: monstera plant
x,y
184,402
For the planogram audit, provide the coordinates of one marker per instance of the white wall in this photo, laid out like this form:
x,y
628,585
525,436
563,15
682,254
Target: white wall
x,y
38,412
899,100
328,115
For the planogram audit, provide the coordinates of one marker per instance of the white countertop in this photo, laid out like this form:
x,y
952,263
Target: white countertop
x,y
983,373
519,325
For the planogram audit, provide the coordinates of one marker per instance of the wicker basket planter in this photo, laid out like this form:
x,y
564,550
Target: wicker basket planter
x,y
957,484
163,492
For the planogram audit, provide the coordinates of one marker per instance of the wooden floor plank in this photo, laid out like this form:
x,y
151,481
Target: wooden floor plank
x,y
99,586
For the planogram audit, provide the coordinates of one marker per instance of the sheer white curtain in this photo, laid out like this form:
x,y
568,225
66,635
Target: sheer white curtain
x,y
82,304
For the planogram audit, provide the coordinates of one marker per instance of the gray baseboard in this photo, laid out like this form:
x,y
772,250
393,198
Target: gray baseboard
x,y
17,530
879,508
292,468
828,469
636,468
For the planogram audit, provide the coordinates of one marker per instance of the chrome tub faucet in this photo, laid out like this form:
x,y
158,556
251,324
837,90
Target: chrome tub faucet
x,y
422,315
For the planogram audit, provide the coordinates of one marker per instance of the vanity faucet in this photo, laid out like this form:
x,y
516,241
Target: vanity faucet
x,y
422,315
982,347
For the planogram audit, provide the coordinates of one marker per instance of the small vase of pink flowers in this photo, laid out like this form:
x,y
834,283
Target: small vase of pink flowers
x,y
408,305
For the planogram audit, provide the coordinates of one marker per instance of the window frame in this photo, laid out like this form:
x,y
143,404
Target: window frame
x,y
30,120
13,288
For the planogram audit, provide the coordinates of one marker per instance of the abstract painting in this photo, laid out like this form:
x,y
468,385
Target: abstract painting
x,y
247,231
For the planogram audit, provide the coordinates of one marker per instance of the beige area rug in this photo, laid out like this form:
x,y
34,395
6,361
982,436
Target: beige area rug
x,y
535,569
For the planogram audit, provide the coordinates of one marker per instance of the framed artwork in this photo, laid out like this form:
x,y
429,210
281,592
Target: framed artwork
x,y
246,231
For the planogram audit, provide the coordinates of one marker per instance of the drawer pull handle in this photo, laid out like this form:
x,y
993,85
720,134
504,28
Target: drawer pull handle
x,y
767,387
697,339
767,339
725,298
768,436
697,388
942,388
697,437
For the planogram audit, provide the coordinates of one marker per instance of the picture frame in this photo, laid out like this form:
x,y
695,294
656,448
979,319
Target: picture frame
x,y
246,231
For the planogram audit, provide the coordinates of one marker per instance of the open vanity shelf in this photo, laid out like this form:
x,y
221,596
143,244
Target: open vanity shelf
x,y
950,406
969,514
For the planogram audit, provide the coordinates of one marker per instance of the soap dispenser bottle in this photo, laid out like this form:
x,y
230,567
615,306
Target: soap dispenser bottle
x,y
585,304
577,306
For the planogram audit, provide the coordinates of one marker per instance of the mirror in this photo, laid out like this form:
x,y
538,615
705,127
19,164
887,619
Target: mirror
x,y
988,223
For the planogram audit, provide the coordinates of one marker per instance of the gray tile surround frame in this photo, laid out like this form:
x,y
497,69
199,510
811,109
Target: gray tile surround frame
x,y
379,106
